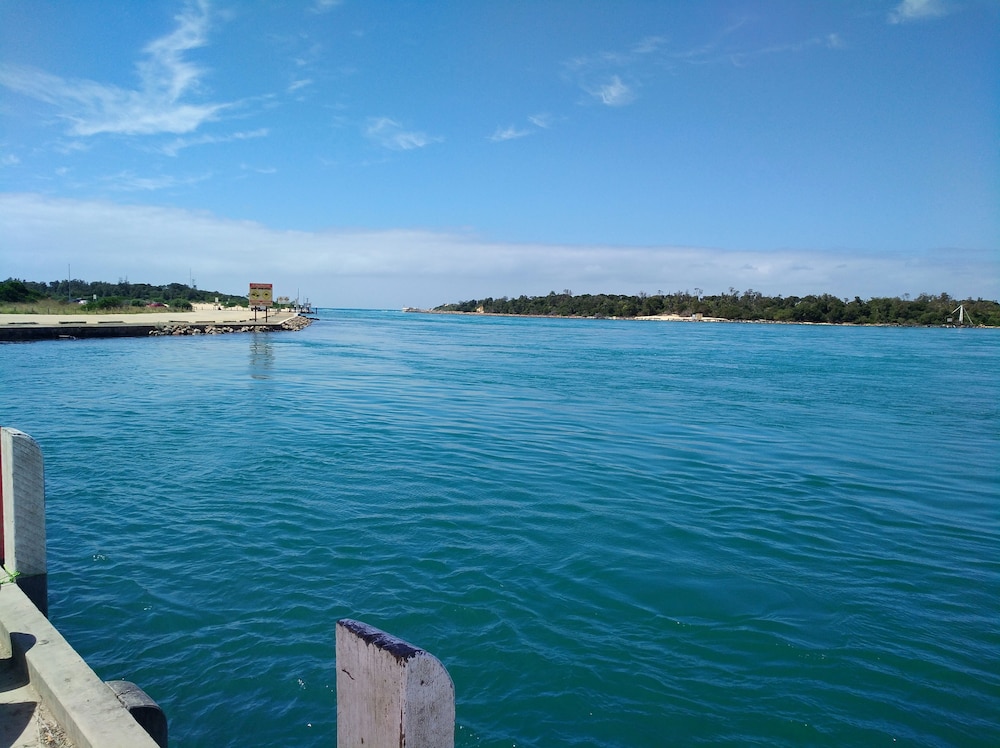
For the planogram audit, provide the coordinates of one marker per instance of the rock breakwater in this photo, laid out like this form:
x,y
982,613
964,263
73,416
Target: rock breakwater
x,y
184,328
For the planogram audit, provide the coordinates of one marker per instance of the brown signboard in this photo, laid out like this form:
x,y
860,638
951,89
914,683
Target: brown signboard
x,y
260,294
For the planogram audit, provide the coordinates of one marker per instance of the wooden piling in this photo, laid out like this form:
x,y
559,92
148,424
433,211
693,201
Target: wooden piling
x,y
390,694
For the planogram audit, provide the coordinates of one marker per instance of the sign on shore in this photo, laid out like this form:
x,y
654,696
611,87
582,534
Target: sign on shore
x,y
261,295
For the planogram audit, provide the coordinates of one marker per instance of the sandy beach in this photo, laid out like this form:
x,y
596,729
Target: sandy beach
x,y
679,318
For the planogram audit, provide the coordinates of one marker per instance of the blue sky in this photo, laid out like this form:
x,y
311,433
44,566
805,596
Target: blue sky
x,y
388,154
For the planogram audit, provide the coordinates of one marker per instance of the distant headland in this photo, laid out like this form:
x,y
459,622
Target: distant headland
x,y
748,306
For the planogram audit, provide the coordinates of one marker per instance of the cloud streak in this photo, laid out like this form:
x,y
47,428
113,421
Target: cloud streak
x,y
917,10
126,181
614,78
390,134
175,147
407,267
158,105
613,92
508,133
324,6
542,121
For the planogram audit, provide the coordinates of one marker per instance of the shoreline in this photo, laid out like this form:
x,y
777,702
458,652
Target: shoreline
x,y
679,318
660,317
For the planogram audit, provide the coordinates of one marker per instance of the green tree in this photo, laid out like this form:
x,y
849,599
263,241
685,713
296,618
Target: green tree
x,y
15,291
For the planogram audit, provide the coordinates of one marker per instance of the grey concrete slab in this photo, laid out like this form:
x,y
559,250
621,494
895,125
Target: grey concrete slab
x,y
24,721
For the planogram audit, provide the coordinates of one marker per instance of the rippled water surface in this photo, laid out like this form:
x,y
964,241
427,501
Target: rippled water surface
x,y
611,533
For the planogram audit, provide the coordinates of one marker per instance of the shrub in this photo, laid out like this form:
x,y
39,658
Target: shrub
x,y
14,291
108,302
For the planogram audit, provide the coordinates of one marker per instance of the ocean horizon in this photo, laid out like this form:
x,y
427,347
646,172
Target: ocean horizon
x,y
610,532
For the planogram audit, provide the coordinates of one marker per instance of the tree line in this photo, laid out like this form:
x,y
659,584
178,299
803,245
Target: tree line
x,y
750,305
104,295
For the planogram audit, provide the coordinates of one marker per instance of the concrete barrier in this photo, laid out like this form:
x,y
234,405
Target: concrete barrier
x,y
22,498
92,714
83,705
390,694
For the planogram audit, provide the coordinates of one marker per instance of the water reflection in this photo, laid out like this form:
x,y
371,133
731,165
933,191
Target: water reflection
x,y
261,355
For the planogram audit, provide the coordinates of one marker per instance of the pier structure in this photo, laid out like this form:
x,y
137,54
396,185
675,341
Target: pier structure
x,y
390,694
28,327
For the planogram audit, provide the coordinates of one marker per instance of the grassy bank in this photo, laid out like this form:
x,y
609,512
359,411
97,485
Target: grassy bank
x,y
53,306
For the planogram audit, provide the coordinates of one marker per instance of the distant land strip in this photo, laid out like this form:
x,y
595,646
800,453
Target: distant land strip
x,y
924,310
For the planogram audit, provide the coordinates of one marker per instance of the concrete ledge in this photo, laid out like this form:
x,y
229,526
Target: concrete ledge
x,y
80,702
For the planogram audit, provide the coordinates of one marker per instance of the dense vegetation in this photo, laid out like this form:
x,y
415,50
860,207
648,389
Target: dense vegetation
x,y
100,295
749,306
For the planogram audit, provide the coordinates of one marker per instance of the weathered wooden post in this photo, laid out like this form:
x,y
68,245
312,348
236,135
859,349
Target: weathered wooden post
x,y
390,694
22,494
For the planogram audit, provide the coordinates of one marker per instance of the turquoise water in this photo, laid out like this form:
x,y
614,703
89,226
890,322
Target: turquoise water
x,y
611,533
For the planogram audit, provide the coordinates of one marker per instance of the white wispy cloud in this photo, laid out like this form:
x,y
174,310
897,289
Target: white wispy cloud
x,y
508,133
158,105
835,41
536,122
614,78
323,6
127,181
917,10
9,159
259,169
390,134
594,73
174,147
407,267
649,45
612,92
67,147
542,120
829,41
